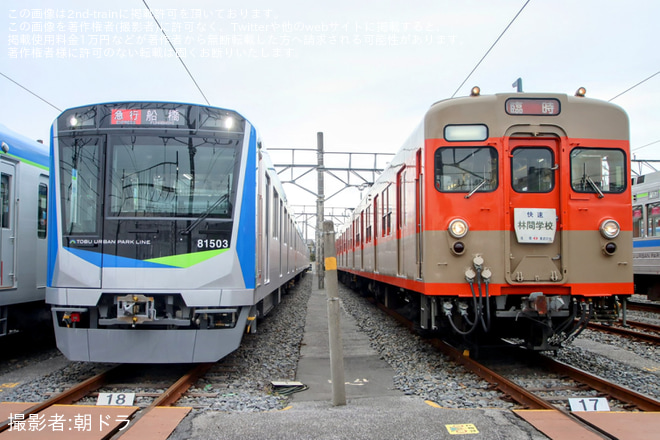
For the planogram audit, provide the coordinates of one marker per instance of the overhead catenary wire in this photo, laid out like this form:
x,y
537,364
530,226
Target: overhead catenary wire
x,y
647,145
176,52
626,91
491,48
629,89
31,92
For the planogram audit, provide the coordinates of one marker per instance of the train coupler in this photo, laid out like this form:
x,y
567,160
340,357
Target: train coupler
x,y
542,304
135,309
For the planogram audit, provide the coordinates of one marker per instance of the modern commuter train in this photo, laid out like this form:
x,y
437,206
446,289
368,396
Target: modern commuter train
x,y
646,234
23,233
170,233
504,215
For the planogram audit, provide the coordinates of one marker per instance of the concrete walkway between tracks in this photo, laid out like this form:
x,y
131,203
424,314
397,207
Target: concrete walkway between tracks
x,y
374,409
365,374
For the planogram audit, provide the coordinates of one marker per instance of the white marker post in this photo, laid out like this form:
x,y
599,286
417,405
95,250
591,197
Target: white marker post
x,y
334,310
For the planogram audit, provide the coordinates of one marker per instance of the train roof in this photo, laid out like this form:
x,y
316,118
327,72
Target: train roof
x,y
578,116
646,182
143,101
23,148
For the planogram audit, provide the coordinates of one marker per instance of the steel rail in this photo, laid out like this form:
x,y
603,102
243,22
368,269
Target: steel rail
x,y
642,325
69,396
508,387
170,396
174,393
653,307
524,397
503,384
641,401
516,392
654,339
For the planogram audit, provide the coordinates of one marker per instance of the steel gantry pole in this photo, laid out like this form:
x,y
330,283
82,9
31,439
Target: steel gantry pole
x,y
320,201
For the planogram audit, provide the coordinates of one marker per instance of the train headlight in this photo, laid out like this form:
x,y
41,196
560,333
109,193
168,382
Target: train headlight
x,y
458,228
609,229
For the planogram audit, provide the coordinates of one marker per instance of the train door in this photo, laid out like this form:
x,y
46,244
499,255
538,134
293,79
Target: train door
x,y
534,199
267,233
7,231
351,249
375,233
260,222
418,213
362,240
280,242
400,220
42,231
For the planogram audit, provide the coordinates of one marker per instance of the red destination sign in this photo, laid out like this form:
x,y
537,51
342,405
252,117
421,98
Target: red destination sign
x,y
126,117
536,107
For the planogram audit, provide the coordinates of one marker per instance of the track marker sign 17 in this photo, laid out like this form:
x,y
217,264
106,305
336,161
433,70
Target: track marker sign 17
x,y
589,404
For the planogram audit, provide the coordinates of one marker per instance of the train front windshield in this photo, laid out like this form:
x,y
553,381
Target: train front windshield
x,y
172,176
148,176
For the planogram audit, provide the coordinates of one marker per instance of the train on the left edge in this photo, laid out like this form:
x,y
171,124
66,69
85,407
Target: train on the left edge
x,y
23,234
170,233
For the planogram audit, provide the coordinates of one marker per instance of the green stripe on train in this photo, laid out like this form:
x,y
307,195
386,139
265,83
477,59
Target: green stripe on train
x,y
187,260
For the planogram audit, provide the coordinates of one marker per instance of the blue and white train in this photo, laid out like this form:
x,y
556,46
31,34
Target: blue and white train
x,y
170,233
23,231
646,234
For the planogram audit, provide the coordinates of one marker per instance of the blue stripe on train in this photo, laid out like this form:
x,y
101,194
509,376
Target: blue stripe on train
x,y
113,261
646,243
53,233
246,240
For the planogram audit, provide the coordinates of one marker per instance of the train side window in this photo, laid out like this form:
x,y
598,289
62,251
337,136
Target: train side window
x,y
531,170
4,196
387,213
42,211
465,169
638,221
80,184
368,224
653,215
596,170
276,214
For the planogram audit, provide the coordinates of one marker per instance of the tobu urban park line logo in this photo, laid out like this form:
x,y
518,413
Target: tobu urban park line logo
x,y
88,242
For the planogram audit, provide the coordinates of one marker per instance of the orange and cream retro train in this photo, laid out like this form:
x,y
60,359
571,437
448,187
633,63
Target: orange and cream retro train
x,y
505,215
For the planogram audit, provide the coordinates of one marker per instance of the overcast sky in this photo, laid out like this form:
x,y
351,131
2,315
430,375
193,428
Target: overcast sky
x,y
362,72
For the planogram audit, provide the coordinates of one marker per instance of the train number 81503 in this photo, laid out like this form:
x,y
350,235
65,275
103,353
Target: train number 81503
x,y
212,244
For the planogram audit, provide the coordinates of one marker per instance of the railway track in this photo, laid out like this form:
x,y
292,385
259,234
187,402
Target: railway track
x,y
531,399
125,422
636,330
653,307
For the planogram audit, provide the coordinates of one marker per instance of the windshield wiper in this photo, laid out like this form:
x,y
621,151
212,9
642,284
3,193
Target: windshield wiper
x,y
476,188
204,215
594,186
